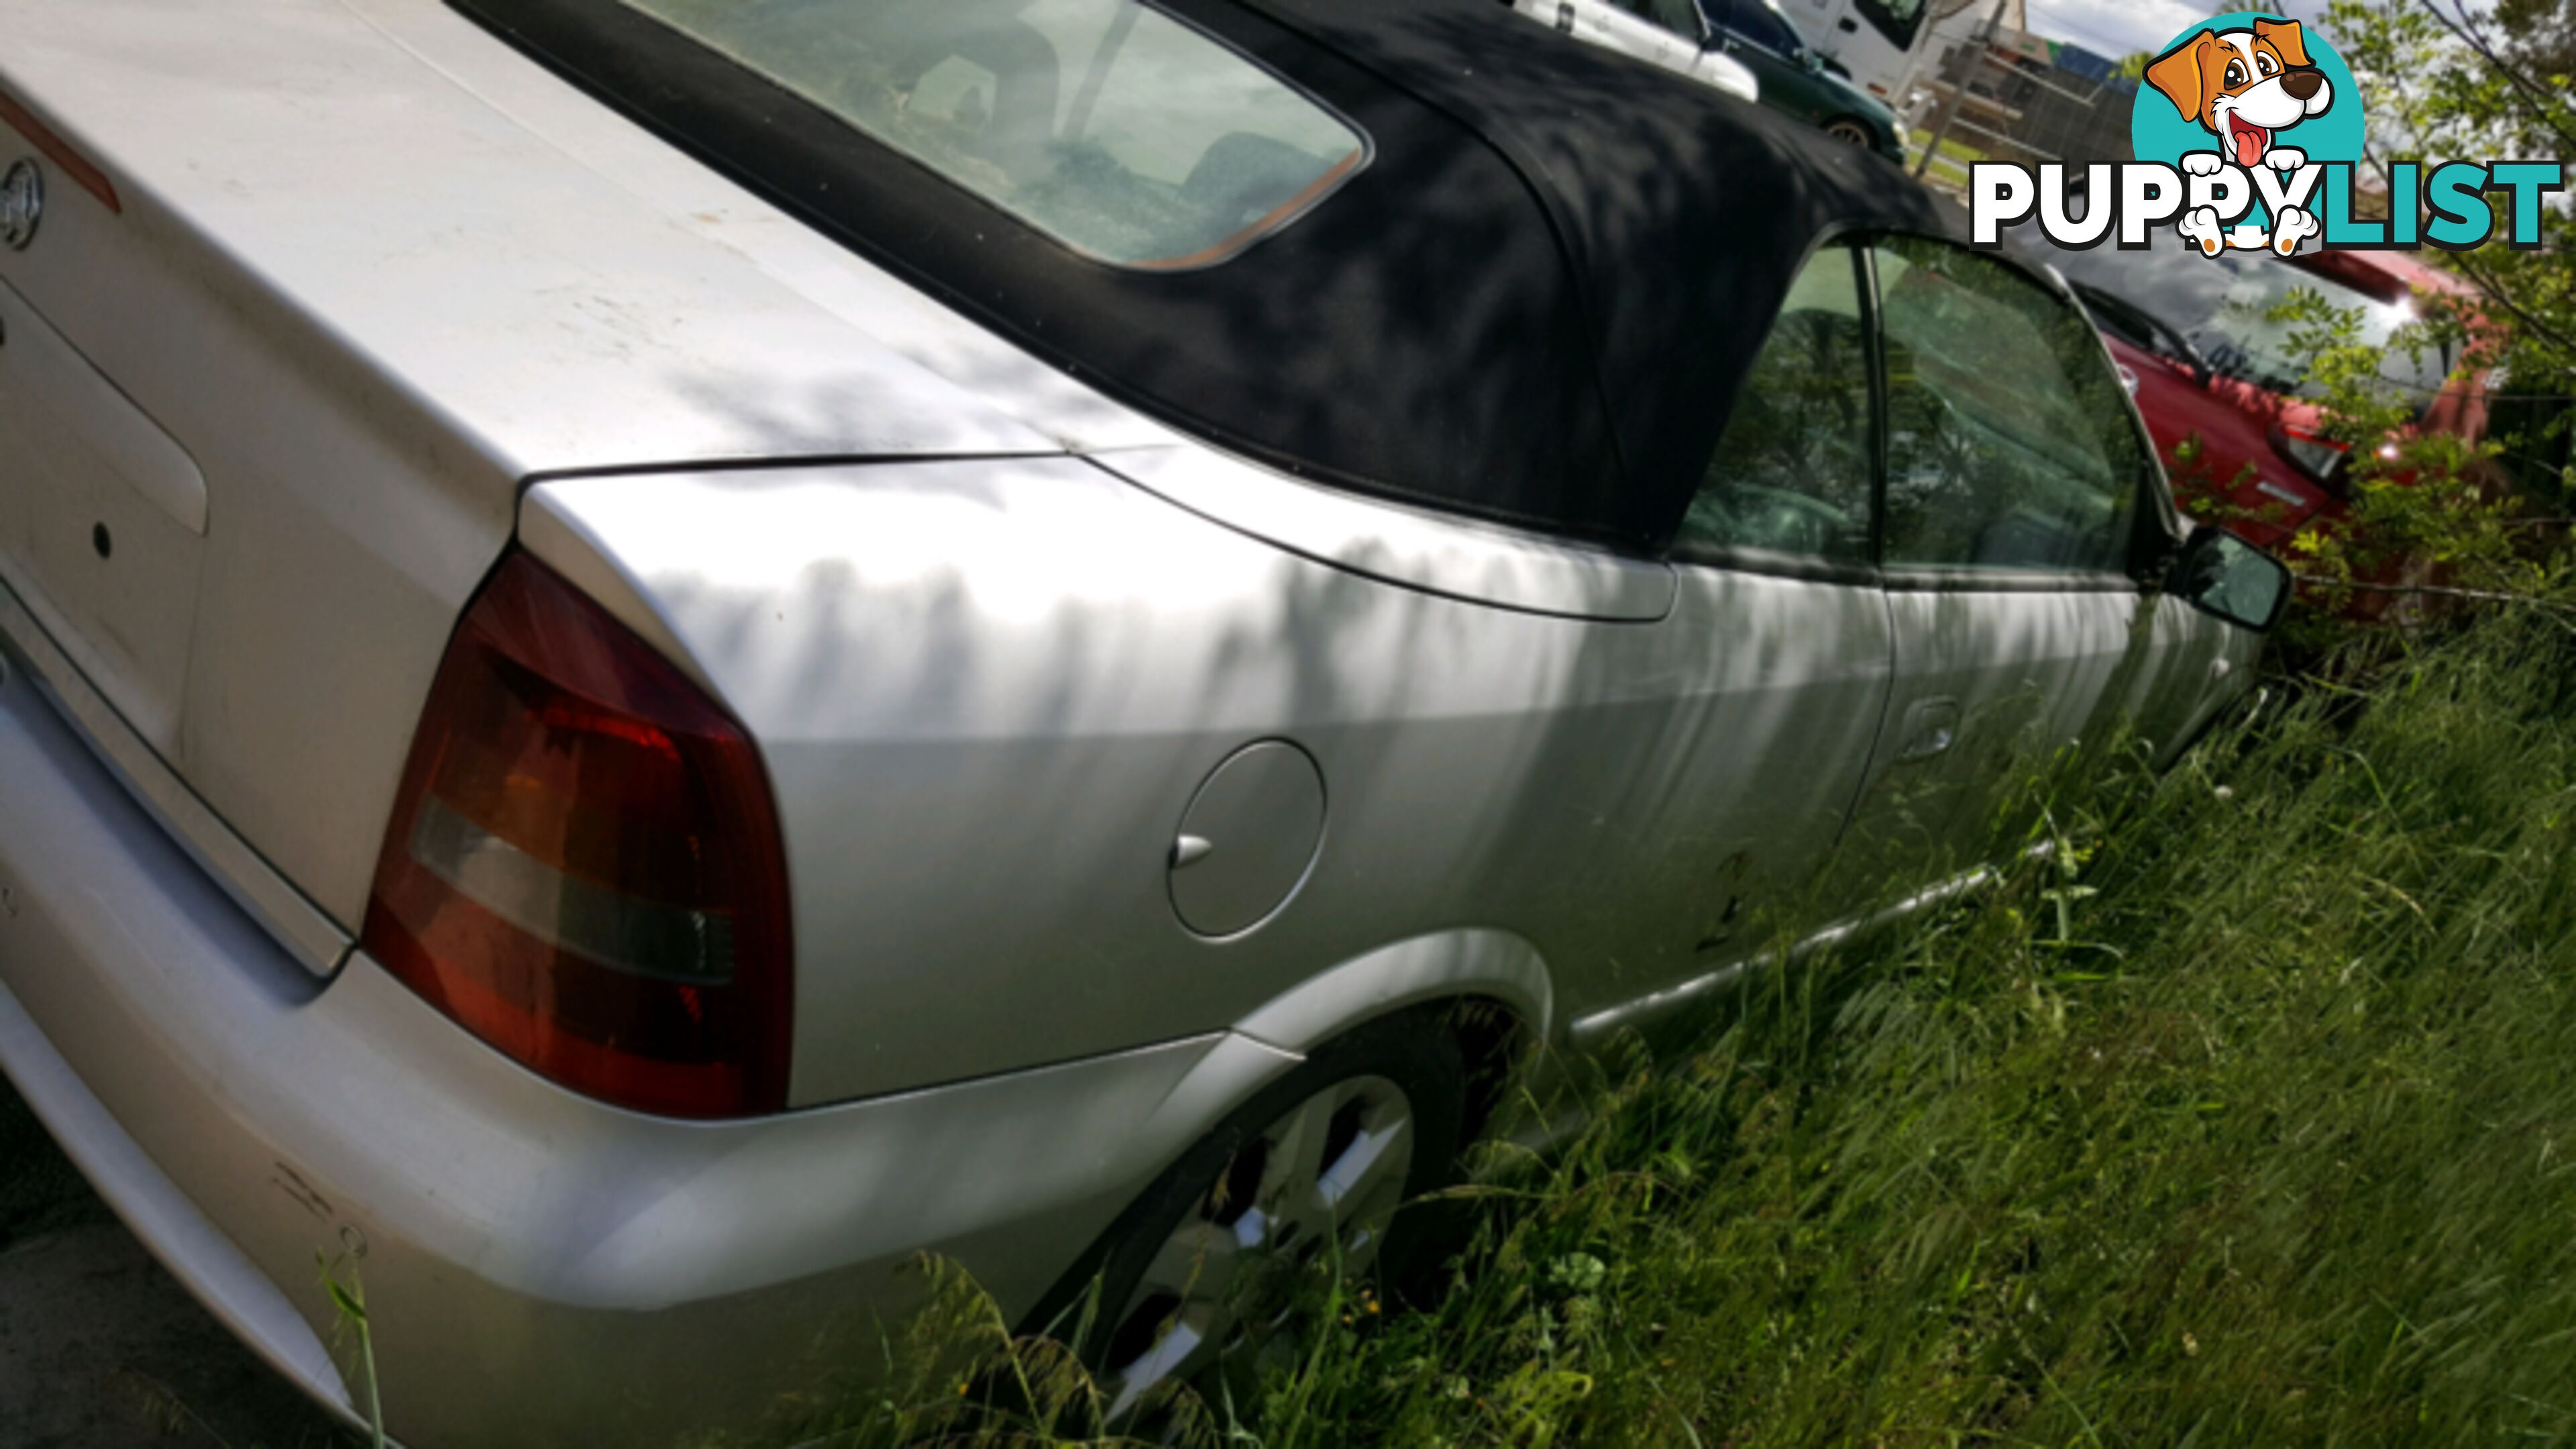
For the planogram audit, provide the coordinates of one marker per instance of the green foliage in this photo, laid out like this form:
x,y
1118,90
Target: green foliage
x,y
2431,514
349,1303
2283,1162
2440,84
2424,503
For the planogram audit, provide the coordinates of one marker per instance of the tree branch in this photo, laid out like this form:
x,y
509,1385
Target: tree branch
x,y
2484,596
2487,283
2542,100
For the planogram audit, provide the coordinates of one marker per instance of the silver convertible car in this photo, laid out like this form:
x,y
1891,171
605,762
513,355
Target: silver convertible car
x,y
660,654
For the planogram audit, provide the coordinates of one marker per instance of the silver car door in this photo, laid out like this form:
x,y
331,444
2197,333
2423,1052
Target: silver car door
x,y
2011,533
1779,607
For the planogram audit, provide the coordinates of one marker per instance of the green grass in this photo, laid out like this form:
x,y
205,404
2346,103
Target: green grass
x,y
2256,1125
1951,163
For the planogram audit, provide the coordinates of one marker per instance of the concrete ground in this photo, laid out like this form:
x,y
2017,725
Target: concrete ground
x,y
102,1349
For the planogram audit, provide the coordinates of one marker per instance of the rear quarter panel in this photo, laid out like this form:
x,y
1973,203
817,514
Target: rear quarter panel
x,y
987,691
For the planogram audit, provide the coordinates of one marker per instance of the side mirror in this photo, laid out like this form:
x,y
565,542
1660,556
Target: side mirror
x,y
1814,63
2223,575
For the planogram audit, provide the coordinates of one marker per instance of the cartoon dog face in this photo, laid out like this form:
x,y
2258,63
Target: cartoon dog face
x,y
2243,85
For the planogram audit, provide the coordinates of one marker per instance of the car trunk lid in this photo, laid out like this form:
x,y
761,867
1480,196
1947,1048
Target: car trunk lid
x,y
268,393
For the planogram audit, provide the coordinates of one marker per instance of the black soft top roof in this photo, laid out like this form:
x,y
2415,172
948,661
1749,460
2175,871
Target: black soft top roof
x,y
1534,304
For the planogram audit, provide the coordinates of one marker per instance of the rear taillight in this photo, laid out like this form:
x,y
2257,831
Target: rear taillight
x,y
584,866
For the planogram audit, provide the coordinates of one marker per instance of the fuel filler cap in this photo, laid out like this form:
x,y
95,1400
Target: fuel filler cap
x,y
1247,839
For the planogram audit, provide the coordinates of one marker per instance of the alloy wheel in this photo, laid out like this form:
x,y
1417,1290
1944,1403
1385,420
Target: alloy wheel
x,y
1850,133
1304,1202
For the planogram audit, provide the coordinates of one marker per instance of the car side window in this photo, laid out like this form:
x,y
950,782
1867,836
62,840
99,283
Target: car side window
x,y
1755,22
1121,131
1792,473
2009,441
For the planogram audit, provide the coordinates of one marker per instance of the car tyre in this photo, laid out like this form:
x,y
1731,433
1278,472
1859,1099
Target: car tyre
x,y
1851,133
1216,1268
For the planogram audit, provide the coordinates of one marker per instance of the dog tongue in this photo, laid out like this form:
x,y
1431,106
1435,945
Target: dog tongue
x,y
2249,146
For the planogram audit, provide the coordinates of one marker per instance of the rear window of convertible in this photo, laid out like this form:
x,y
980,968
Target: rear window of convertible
x,y
1110,126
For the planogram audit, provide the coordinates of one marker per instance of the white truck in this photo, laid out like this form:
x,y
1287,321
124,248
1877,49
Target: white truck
x,y
1881,44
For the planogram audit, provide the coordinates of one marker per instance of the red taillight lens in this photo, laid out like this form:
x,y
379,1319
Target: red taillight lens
x,y
584,866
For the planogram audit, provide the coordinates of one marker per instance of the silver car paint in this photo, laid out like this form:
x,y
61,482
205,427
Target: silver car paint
x,y
535,1262
312,938
986,691
366,304
1494,966
92,466
1918,819
987,687
1987,684
1434,552
2003,682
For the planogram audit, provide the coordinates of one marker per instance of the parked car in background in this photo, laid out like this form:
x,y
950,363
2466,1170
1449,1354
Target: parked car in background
x,y
1797,79
1881,46
1659,32
656,655
1715,41
2211,363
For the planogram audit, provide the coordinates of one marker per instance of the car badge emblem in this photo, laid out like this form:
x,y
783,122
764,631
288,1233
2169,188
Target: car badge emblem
x,y
22,201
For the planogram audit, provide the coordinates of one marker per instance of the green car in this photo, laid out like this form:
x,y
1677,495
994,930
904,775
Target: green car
x,y
1795,79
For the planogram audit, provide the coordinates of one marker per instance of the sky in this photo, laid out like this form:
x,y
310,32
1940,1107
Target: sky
x,y
2120,27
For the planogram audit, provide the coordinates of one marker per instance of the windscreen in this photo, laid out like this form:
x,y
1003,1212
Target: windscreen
x,y
1899,20
2223,305
1112,127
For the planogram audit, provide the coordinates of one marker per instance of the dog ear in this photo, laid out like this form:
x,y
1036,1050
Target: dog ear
x,y
2182,73
2286,37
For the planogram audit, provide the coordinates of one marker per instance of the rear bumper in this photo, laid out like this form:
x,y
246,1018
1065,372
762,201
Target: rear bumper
x,y
539,1268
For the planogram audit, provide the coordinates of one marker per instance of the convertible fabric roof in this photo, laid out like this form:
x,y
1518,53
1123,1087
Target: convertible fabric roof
x,y
1534,304
1681,214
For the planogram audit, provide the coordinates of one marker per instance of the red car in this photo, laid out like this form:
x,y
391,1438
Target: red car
x,y
2195,334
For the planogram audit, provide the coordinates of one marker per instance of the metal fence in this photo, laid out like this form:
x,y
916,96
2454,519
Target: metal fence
x,y
1996,91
